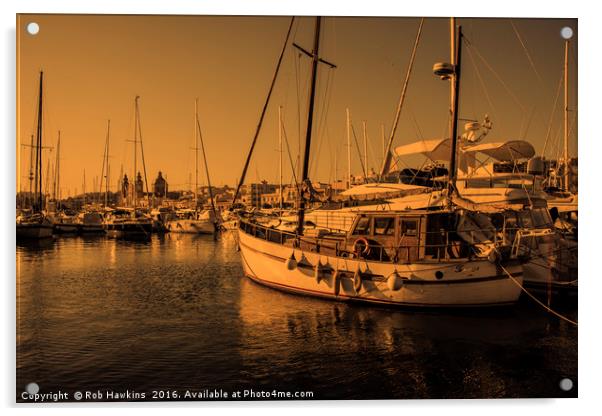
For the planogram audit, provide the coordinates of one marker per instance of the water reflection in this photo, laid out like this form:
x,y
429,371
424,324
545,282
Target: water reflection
x,y
175,312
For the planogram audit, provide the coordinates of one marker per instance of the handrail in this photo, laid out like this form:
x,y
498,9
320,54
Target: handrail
x,y
283,235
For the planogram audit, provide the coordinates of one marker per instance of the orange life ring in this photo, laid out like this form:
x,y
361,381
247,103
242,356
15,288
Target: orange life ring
x,y
356,247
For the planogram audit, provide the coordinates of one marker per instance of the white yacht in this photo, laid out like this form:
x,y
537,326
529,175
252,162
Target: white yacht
x,y
190,221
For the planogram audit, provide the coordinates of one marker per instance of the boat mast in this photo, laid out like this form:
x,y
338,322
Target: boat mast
x,y
336,167
84,190
134,177
310,119
30,197
57,177
456,42
196,154
263,111
365,150
46,186
348,149
38,170
382,135
107,164
566,115
200,135
142,154
280,153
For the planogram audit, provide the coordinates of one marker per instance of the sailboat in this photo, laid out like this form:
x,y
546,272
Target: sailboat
x,y
563,203
131,223
64,220
195,221
36,225
91,220
415,258
500,179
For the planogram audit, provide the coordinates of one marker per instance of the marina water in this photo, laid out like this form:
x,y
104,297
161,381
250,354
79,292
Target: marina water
x,y
176,313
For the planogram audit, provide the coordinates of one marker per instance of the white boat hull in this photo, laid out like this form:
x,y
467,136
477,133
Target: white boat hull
x,y
191,226
464,284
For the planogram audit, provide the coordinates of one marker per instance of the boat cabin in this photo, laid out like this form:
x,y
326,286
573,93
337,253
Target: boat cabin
x,y
405,237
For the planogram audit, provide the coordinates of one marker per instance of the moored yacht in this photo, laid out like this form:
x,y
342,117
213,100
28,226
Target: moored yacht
x,y
128,223
448,257
33,226
405,258
190,221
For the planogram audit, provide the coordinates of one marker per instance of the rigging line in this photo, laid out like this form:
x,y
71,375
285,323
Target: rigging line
x,y
524,135
290,158
215,214
297,79
494,72
297,65
263,111
357,146
416,125
404,88
313,162
553,112
142,154
524,45
322,131
481,81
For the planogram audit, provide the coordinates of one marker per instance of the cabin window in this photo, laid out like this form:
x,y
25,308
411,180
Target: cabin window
x,y
384,226
409,227
526,220
363,226
541,218
477,183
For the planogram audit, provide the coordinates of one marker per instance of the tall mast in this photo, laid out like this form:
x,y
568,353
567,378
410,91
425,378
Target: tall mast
x,y
46,190
196,153
84,189
310,119
456,64
348,149
30,197
38,170
382,135
134,177
217,218
265,106
57,169
336,167
107,164
566,115
365,150
452,53
280,153
142,152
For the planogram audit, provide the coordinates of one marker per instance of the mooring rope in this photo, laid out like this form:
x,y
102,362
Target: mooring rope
x,y
535,299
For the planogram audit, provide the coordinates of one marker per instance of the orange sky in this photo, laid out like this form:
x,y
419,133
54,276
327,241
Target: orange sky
x,y
95,65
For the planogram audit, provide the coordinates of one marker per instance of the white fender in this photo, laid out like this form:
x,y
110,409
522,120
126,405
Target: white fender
x,y
357,280
318,272
394,281
336,282
291,263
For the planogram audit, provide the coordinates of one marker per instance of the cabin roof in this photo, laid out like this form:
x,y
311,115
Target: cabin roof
x,y
434,149
378,188
508,151
439,149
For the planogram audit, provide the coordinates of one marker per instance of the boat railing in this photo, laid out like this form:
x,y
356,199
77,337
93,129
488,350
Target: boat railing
x,y
448,245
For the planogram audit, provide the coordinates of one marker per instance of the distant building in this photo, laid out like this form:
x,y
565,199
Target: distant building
x,y
125,186
160,186
139,186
